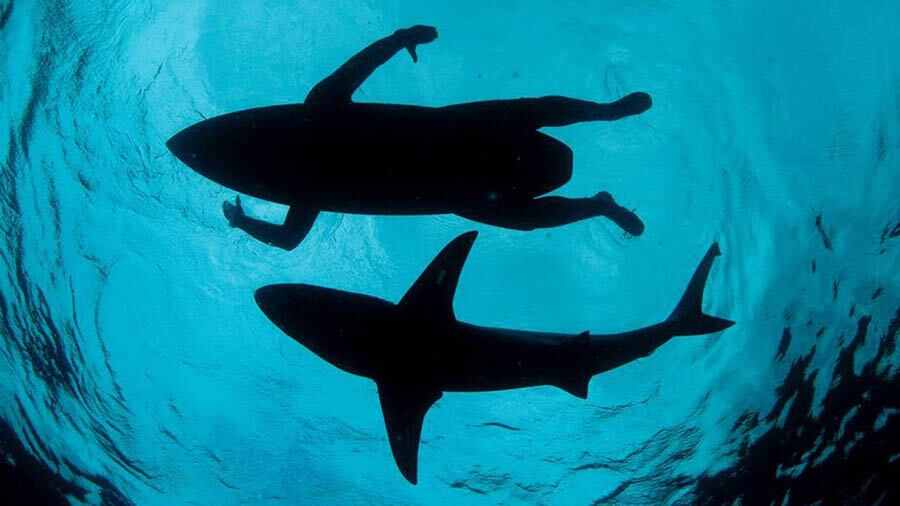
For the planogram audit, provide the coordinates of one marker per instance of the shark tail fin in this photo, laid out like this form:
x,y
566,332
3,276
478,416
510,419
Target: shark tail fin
x,y
688,318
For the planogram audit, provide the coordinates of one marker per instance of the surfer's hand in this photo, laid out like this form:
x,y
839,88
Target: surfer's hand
x,y
233,212
415,35
419,34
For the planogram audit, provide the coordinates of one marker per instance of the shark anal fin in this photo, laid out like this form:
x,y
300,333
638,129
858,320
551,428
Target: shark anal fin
x,y
575,384
431,296
575,381
404,407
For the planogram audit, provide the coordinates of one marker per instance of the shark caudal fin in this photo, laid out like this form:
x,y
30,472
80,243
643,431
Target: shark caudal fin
x,y
688,318
431,296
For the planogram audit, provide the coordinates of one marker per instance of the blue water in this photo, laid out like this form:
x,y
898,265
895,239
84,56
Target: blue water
x,y
136,367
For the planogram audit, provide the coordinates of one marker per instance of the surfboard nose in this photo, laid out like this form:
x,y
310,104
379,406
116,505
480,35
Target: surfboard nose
x,y
216,150
184,146
272,300
205,147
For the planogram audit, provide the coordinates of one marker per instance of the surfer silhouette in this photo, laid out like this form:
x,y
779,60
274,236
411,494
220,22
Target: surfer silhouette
x,y
485,161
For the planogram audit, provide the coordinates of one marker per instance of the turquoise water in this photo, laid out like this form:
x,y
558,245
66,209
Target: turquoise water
x,y
136,367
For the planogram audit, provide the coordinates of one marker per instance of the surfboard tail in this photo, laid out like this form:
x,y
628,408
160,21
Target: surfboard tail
x,y
688,318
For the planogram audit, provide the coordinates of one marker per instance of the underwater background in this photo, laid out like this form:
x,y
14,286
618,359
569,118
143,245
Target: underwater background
x,y
137,369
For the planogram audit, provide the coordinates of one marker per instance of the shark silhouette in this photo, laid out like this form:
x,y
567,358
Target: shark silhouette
x,y
416,350
485,161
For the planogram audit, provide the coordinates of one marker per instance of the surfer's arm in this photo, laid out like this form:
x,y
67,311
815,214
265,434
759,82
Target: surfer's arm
x,y
339,86
286,236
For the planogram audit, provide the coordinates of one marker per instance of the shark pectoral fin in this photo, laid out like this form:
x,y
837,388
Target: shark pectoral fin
x,y
431,296
404,407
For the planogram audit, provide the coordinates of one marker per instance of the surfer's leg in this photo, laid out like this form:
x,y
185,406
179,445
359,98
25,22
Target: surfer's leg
x,y
286,236
547,212
534,113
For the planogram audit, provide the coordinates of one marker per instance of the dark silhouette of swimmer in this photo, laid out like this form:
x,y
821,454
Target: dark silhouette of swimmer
x,y
416,349
485,161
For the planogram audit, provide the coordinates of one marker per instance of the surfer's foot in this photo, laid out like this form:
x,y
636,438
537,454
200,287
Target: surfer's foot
x,y
632,104
627,220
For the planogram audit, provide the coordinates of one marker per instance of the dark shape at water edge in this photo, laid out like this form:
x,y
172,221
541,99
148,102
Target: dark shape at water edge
x,y
890,233
847,454
823,234
416,349
784,344
28,481
485,161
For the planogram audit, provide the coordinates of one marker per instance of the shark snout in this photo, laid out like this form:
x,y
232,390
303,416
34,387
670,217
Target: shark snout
x,y
297,308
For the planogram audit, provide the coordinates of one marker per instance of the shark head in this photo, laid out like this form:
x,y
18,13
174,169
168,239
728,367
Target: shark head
x,y
362,334
341,327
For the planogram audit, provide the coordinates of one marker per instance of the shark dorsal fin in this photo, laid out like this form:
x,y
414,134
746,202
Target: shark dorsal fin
x,y
432,294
